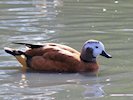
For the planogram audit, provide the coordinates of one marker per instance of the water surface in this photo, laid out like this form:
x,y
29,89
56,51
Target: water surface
x,y
69,22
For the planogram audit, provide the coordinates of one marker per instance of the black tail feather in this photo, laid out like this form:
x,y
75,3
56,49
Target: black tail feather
x,y
32,46
13,51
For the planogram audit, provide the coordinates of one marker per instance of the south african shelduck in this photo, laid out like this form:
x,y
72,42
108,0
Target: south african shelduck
x,y
53,57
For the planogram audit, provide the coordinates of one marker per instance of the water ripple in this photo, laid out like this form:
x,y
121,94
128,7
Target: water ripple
x,y
16,2
34,37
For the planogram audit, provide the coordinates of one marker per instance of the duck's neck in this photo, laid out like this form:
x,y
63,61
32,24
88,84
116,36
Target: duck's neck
x,y
87,55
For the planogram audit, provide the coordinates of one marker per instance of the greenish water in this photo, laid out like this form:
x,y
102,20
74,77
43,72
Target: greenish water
x,y
69,22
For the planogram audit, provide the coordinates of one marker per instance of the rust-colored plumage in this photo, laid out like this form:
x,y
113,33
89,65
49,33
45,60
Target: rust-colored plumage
x,y
52,57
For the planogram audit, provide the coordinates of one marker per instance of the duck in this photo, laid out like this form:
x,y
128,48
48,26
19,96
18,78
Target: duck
x,y
54,57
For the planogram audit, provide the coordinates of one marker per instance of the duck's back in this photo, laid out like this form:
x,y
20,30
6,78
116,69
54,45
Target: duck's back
x,y
54,57
52,47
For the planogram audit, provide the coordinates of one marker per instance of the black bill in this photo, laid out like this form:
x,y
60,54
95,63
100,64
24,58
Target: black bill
x,y
105,54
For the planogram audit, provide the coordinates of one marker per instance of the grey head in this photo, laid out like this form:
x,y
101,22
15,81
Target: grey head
x,y
91,49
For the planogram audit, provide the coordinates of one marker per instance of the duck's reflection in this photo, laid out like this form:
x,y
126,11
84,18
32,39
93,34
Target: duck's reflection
x,y
49,86
23,82
93,91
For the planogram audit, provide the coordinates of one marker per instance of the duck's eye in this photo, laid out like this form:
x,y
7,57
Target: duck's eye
x,y
96,46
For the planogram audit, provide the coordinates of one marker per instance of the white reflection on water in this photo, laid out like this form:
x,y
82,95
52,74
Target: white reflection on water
x,y
40,17
93,91
47,8
104,9
23,82
121,95
34,37
15,2
8,63
116,1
